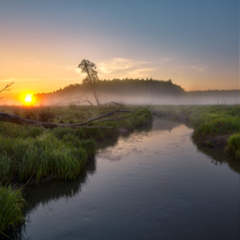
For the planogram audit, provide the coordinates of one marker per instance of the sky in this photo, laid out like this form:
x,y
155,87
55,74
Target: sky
x,y
194,43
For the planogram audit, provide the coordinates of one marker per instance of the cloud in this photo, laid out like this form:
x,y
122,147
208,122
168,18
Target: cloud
x,y
165,60
198,68
117,68
114,64
122,68
7,80
53,65
37,62
70,67
76,70
141,72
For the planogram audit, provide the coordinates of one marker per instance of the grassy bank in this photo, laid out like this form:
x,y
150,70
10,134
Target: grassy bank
x,y
11,213
215,126
31,154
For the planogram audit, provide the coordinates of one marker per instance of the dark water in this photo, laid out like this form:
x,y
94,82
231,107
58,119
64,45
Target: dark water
x,y
151,185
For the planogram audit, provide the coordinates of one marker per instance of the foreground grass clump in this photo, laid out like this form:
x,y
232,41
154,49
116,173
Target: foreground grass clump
x,y
11,213
23,159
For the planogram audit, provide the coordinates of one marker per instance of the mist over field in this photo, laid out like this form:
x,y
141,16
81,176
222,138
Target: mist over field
x,y
137,91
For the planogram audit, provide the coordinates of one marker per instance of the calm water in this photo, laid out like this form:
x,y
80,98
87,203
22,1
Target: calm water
x,y
150,185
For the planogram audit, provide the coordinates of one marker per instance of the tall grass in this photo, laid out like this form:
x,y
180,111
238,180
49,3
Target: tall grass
x,y
22,159
11,213
21,131
217,126
234,145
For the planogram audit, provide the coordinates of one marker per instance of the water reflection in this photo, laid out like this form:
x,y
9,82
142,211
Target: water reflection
x,y
50,191
149,185
127,144
54,190
220,156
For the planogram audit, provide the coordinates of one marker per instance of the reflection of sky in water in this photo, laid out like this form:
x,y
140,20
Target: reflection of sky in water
x,y
152,185
147,142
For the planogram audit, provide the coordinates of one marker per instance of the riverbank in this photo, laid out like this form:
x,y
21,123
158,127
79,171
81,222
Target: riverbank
x,y
30,154
214,126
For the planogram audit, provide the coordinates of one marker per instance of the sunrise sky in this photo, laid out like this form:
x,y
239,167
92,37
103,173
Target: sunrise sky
x,y
194,43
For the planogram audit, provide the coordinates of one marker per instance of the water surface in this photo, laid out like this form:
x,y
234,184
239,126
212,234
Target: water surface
x,y
150,185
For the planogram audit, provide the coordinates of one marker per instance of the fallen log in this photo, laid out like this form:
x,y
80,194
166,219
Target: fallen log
x,y
7,117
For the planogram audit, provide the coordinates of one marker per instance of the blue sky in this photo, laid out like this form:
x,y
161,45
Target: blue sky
x,y
194,43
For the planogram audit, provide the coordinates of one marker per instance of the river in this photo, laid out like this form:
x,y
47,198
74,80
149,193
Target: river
x,y
150,185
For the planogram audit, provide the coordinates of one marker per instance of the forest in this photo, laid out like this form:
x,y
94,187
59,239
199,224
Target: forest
x,y
135,91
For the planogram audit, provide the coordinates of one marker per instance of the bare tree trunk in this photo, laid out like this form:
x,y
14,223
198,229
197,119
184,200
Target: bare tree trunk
x,y
93,88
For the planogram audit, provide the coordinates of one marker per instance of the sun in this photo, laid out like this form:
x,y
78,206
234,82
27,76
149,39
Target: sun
x,y
27,99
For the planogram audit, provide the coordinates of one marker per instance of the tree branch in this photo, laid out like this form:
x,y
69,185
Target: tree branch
x,y
104,116
7,117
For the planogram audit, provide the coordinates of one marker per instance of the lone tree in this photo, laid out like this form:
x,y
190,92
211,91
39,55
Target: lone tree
x,y
89,68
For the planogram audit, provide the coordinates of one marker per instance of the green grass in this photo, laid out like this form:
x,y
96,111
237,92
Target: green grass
x,y
11,213
217,126
234,145
22,159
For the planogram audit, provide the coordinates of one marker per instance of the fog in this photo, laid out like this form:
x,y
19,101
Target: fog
x,y
217,97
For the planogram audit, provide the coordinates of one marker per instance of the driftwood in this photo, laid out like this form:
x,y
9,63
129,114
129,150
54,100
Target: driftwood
x,y
7,117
